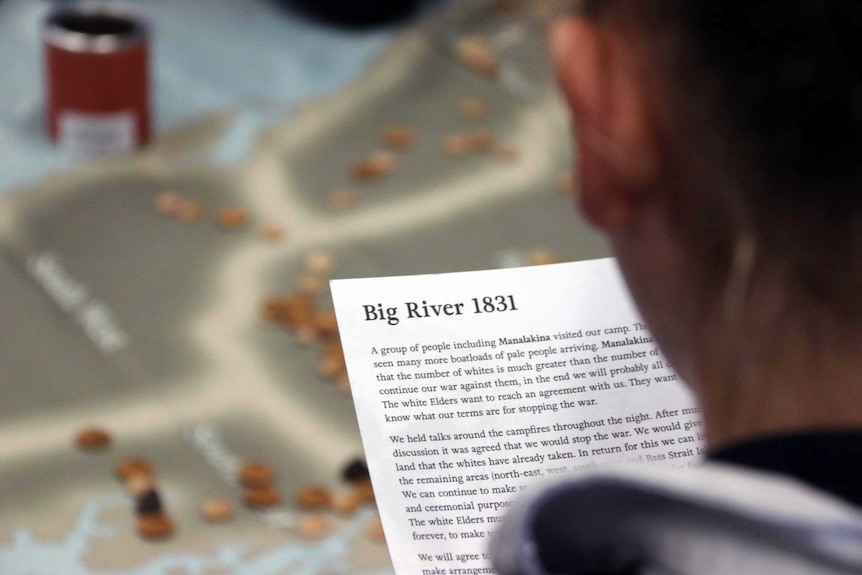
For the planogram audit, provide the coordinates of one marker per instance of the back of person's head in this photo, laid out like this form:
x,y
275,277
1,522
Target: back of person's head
x,y
764,102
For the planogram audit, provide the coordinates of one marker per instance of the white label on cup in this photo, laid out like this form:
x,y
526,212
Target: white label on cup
x,y
90,135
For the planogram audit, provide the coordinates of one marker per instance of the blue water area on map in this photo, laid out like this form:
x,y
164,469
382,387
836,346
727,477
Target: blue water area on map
x,y
26,555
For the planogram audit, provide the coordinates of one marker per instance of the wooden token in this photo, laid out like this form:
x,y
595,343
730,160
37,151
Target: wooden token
x,y
272,233
314,525
166,203
341,199
331,363
92,439
309,284
307,334
232,217
138,484
131,466
261,497
155,526
480,140
475,51
313,497
364,491
342,384
540,256
320,263
375,166
290,310
462,144
256,474
383,161
472,109
455,145
217,510
189,210
326,323
398,137
374,530
344,502
273,309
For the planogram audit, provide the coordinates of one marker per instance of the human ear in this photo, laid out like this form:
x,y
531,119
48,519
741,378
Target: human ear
x,y
602,80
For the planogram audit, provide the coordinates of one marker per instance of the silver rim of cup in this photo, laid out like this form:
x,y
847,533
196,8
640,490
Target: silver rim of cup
x,y
94,27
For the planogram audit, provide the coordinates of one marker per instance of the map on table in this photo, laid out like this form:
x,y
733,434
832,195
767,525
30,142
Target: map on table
x,y
183,306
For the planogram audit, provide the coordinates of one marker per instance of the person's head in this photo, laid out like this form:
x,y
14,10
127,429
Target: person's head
x,y
720,148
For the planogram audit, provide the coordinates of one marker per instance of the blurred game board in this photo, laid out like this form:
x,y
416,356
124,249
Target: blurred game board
x,y
182,307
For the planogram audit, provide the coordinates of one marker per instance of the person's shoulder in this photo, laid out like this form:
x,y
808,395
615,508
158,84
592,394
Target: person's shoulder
x,y
716,485
709,518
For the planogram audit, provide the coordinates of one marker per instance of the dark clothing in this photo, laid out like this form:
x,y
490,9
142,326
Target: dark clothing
x,y
831,461
786,504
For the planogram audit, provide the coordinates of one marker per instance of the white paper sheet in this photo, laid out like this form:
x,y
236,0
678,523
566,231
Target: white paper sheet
x,y
470,387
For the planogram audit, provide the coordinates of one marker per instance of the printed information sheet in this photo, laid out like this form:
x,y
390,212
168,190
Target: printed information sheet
x,y
470,387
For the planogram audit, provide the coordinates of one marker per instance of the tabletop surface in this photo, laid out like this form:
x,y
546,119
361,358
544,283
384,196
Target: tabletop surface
x,y
177,297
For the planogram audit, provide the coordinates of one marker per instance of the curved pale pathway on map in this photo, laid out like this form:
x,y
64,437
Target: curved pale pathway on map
x,y
269,189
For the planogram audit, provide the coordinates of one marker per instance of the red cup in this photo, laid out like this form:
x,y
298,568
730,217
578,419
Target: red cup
x,y
97,76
